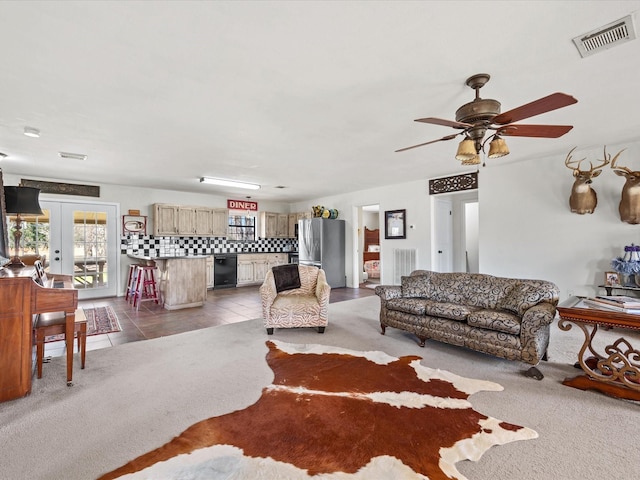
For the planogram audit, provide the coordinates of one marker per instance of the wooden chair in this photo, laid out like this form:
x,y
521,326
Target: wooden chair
x,y
54,324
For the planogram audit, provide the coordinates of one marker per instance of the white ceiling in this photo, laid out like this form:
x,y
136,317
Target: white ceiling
x,y
312,96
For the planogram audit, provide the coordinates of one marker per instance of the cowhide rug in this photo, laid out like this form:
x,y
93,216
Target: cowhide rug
x,y
336,414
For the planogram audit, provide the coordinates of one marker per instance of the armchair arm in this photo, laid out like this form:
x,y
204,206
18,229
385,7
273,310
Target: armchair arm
x,y
268,292
323,289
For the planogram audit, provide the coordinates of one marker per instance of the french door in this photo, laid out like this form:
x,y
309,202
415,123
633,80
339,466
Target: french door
x,y
82,242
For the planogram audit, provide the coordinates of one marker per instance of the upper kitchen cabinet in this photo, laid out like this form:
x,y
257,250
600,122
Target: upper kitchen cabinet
x,y
268,224
293,221
274,225
220,222
165,219
189,221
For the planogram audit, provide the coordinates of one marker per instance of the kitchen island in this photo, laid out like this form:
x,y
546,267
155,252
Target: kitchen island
x,y
181,279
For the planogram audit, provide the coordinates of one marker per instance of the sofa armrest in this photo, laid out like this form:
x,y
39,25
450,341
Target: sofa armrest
x,y
539,315
388,292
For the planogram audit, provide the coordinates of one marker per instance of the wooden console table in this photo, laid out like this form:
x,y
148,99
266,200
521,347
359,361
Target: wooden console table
x,y
611,288
616,372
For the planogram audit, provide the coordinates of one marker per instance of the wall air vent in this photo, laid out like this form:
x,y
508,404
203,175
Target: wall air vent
x,y
605,37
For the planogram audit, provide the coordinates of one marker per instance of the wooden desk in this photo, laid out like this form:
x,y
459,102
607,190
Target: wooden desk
x,y
617,371
21,299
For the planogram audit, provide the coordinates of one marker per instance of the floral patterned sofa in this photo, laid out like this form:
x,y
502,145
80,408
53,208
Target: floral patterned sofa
x,y
508,318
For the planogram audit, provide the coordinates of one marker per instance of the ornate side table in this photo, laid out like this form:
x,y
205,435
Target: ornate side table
x,y
615,371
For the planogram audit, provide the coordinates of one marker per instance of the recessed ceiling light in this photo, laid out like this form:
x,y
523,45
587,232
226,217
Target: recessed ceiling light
x,y
3,155
31,132
279,186
73,156
229,183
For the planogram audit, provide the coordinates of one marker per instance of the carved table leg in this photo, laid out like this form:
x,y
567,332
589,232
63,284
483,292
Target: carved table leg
x,y
617,373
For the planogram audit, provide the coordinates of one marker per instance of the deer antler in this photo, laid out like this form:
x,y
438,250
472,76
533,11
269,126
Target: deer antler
x,y
568,160
613,162
605,161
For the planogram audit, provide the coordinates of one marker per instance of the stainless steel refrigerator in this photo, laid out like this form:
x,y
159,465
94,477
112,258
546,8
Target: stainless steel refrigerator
x,y
321,244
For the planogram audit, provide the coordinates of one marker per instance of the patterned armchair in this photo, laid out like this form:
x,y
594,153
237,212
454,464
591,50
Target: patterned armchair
x,y
307,306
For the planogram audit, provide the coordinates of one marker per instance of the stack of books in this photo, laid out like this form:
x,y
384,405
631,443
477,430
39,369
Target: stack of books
x,y
620,303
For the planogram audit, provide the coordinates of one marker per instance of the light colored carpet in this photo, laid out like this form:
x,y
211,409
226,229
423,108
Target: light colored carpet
x,y
135,397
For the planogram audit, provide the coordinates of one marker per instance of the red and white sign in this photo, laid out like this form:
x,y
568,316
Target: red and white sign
x,y
242,205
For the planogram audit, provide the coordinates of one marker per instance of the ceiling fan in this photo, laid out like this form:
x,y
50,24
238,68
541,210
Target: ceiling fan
x,y
474,119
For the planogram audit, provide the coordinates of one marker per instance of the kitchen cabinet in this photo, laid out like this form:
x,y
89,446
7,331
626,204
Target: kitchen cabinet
x,y
186,220
246,270
293,221
268,224
165,219
253,267
209,265
189,221
203,221
220,219
282,229
274,225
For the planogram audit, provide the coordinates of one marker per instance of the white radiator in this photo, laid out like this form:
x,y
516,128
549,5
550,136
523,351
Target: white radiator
x,y
404,262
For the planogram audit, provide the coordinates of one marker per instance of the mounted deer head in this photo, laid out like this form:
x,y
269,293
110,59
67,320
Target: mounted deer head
x,y
629,207
583,198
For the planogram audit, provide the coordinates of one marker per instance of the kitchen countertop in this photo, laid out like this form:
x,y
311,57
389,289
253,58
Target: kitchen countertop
x,y
167,257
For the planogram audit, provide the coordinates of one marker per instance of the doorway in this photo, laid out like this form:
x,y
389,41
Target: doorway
x,y
369,262
455,232
80,239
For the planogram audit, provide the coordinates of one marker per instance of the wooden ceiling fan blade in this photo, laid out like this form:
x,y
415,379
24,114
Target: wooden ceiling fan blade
x,y
448,137
541,131
443,122
542,105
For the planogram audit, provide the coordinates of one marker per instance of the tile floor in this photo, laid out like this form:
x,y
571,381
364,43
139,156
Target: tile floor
x,y
151,320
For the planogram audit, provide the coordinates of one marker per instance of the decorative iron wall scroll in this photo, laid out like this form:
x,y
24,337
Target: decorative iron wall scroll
x,y
456,183
63,188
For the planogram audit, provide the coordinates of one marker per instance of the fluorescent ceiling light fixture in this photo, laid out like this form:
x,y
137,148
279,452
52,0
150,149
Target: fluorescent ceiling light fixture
x,y
74,156
31,132
229,183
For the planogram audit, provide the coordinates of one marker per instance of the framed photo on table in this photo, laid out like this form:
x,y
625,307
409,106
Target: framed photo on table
x,y
395,222
611,278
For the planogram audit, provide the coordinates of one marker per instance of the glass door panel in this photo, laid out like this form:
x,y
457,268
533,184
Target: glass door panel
x,y
80,239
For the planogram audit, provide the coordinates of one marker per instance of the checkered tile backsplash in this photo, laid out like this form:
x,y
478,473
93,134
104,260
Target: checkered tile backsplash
x,y
150,246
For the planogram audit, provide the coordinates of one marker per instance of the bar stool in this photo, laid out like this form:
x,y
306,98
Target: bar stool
x,y
131,282
145,285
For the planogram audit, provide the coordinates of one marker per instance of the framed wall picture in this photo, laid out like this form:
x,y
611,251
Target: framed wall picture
x,y
611,278
395,222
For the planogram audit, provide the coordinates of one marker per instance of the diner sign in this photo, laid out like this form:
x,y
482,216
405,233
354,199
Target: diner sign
x,y
242,205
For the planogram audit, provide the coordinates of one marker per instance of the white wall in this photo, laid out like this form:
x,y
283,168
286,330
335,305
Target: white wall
x,y
526,228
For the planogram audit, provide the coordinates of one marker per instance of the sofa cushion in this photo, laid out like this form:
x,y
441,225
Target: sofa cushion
x,y
415,287
453,311
523,296
415,306
498,320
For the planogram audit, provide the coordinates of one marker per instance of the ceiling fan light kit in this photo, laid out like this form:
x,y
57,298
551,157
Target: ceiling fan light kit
x,y
475,160
466,150
498,147
475,118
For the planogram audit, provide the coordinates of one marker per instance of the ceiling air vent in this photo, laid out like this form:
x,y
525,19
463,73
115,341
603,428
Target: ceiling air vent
x,y
606,37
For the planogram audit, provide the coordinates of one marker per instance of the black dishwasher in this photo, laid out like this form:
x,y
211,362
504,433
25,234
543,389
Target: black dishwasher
x,y
224,270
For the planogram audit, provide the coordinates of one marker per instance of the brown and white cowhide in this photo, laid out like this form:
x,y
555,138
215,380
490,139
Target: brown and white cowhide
x,y
337,414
